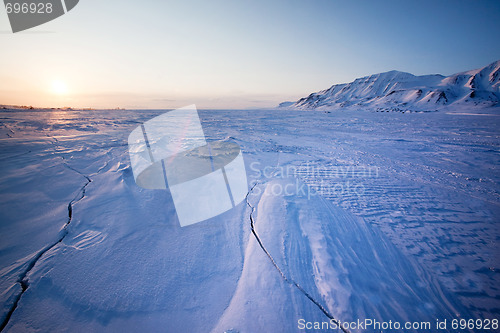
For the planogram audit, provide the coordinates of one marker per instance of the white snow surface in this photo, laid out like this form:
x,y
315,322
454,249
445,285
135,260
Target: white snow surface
x,y
416,239
400,91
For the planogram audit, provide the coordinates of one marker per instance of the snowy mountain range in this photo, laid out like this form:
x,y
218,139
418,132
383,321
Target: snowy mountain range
x,y
400,91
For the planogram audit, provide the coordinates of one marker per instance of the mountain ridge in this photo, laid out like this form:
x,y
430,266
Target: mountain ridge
x,y
399,91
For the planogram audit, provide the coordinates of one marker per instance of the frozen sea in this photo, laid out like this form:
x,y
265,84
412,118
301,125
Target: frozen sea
x,y
386,216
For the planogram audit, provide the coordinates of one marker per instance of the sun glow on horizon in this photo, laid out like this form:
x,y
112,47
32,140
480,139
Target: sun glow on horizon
x,y
59,88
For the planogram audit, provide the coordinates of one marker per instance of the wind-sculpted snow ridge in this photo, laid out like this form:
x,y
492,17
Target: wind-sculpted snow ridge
x,y
400,91
321,254
287,279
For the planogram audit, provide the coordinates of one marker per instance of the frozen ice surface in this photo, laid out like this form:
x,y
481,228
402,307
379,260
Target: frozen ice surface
x,y
405,227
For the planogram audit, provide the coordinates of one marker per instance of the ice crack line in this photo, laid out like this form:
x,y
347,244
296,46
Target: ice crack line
x,y
287,279
23,280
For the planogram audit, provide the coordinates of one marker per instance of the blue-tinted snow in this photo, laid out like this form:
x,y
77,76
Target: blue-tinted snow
x,y
417,240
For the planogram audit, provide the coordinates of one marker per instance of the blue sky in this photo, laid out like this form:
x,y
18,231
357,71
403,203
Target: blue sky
x,y
225,54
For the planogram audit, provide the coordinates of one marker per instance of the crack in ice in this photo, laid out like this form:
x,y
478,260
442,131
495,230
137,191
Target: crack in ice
x,y
23,280
287,279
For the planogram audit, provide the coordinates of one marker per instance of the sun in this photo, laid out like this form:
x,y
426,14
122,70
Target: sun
x,y
59,87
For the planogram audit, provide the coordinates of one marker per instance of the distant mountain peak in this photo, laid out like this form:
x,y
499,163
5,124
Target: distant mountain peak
x,y
401,90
